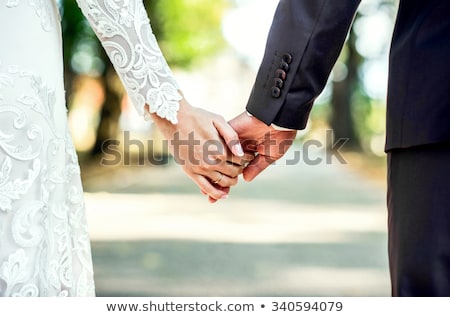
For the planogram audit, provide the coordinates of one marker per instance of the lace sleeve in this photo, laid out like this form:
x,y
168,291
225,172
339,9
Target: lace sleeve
x,y
124,30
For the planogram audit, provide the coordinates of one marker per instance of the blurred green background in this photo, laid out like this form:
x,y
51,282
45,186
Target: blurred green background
x,y
190,31
297,230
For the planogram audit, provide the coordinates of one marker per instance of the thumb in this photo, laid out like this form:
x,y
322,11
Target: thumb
x,y
230,136
256,166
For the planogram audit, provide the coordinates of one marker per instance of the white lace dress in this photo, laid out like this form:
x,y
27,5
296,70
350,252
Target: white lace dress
x,y
44,243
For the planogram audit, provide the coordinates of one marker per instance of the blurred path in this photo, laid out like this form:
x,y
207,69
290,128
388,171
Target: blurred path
x,y
297,230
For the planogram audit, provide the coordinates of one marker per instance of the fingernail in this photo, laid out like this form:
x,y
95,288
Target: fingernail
x,y
224,197
238,149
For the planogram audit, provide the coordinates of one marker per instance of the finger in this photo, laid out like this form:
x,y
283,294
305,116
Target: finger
x,y
210,199
213,200
230,136
220,179
249,145
255,167
227,181
227,169
210,168
232,166
240,161
205,186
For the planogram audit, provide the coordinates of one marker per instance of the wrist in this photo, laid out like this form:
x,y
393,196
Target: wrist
x,y
167,127
273,126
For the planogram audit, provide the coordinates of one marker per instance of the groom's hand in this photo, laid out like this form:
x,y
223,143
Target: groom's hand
x,y
206,147
256,137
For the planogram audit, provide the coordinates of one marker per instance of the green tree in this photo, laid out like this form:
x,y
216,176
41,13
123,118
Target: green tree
x,y
186,31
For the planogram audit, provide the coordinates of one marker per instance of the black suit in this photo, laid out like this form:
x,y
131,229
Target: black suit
x,y
304,42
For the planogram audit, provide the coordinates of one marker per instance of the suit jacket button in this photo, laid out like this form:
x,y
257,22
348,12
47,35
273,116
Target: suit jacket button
x,y
284,66
276,92
278,82
287,58
279,73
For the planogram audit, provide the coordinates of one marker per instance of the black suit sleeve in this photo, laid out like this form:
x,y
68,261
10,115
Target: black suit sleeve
x,y
304,43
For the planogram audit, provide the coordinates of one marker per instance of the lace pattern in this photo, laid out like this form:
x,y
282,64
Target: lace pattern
x,y
125,32
44,244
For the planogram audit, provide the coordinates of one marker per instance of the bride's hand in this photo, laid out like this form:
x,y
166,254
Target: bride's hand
x,y
206,147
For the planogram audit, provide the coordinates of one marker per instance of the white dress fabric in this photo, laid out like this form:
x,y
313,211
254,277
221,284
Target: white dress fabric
x,y
44,242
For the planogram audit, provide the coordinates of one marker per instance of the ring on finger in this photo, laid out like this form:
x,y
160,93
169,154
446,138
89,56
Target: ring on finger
x,y
218,179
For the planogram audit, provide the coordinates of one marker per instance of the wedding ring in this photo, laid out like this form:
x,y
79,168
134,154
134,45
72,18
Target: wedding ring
x,y
219,179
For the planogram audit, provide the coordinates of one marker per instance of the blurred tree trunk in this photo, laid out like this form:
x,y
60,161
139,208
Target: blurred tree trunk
x,y
75,30
108,126
341,101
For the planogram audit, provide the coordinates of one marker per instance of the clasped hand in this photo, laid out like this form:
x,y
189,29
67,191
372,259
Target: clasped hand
x,y
207,148
213,152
